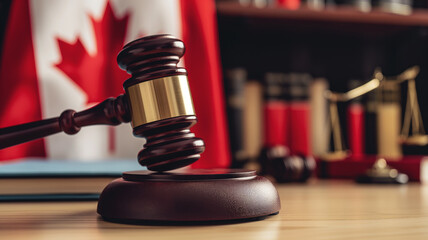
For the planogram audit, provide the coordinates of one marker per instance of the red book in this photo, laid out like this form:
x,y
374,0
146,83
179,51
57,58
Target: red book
x,y
300,128
276,123
276,110
355,118
300,142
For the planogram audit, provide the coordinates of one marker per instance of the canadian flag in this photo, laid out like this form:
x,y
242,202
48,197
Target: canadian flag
x,y
61,54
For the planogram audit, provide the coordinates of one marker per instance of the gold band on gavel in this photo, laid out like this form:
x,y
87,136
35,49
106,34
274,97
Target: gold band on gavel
x,y
159,99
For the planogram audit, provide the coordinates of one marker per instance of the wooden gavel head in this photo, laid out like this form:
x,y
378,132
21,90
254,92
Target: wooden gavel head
x,y
160,103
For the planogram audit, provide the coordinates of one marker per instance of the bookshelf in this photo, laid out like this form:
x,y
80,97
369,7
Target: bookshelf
x,y
339,44
341,39
419,17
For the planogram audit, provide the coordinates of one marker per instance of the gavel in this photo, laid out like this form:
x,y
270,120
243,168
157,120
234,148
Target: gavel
x,y
157,102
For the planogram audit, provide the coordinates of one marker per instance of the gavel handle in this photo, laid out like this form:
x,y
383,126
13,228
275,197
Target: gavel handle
x,y
112,111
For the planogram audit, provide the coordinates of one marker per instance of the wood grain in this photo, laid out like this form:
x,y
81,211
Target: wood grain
x,y
320,210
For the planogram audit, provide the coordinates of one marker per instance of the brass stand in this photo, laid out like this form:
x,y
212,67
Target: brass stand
x,y
381,172
413,115
339,152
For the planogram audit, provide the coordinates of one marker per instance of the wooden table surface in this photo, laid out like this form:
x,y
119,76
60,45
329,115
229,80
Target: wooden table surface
x,y
319,210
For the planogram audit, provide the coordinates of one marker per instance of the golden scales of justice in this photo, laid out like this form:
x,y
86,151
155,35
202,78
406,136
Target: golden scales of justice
x,y
412,113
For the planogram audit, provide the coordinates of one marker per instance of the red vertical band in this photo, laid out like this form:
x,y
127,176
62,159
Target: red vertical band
x,y
199,27
300,128
355,116
276,123
19,91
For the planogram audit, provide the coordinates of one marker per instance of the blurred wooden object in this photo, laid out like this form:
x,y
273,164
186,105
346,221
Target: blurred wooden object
x,y
389,121
320,210
253,119
389,115
320,127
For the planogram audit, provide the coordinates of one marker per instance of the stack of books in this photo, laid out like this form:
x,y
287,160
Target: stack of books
x,y
37,179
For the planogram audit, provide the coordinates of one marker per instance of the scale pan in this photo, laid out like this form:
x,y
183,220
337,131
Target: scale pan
x,y
417,140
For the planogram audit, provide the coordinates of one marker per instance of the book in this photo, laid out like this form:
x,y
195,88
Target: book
x,y
361,5
275,119
416,167
58,178
235,80
370,123
402,7
275,110
389,121
300,113
355,123
320,125
253,119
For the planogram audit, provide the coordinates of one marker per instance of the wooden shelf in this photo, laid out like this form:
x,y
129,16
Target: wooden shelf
x,y
419,17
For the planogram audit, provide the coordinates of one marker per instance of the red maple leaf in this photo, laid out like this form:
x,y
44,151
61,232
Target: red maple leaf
x,y
97,75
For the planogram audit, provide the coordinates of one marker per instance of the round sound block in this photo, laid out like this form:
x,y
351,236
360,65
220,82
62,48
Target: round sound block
x,y
190,195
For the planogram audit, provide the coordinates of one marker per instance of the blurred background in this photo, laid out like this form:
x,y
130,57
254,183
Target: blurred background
x,y
282,57
259,72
